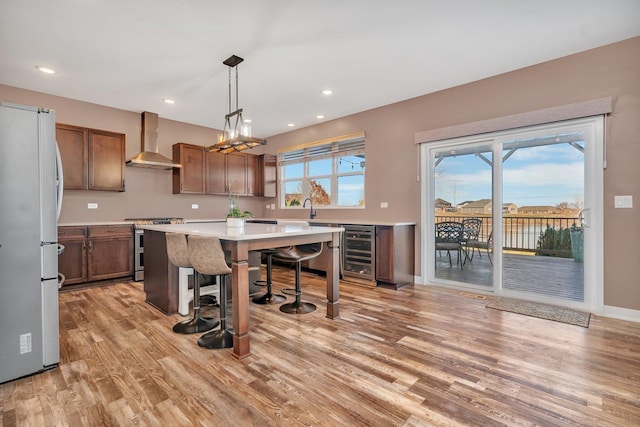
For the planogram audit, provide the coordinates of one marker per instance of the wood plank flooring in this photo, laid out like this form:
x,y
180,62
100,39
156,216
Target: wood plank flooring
x,y
415,357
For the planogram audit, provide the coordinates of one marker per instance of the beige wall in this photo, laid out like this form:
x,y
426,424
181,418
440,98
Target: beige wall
x,y
148,192
392,165
392,156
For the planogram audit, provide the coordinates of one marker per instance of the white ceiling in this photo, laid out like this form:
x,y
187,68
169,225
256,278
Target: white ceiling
x,y
130,54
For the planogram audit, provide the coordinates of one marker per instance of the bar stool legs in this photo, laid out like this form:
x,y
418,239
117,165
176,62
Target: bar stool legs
x,y
197,323
297,307
269,297
220,338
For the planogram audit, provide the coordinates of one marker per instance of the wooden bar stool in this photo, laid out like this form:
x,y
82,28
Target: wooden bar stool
x,y
178,254
206,256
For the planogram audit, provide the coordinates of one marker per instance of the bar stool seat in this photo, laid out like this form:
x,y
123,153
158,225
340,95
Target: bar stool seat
x,y
206,256
178,254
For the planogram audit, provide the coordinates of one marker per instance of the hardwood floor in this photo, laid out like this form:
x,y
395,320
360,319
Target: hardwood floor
x,y
416,356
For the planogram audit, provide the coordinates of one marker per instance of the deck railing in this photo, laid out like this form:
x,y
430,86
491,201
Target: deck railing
x,y
521,233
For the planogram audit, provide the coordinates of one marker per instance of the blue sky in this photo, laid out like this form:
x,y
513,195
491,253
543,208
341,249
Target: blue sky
x,y
543,175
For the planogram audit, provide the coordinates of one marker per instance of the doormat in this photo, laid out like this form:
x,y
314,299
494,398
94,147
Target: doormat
x,y
543,311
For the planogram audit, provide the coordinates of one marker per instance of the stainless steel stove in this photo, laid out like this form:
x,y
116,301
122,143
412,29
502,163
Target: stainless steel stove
x,y
138,242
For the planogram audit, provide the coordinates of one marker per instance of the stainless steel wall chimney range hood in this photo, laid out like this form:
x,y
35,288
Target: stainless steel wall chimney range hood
x,y
149,156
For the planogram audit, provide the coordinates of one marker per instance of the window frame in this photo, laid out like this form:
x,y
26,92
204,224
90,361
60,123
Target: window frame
x,y
330,148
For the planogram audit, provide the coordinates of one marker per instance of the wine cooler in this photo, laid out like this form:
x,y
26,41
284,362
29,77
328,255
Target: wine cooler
x,y
358,251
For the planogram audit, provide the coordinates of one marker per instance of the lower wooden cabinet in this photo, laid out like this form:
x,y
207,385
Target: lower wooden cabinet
x,y
95,252
73,261
395,255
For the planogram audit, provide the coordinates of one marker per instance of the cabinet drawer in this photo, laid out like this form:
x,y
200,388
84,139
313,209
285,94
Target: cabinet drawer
x,y
110,230
71,232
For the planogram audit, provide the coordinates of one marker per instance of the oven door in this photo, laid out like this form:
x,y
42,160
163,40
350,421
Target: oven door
x,y
138,255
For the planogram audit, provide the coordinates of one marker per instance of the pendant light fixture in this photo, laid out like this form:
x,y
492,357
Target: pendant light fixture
x,y
236,137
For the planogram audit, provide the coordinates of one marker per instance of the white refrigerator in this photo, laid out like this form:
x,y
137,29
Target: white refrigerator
x,y
30,199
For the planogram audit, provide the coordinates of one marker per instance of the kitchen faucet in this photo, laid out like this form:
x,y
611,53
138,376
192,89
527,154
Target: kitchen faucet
x,y
312,213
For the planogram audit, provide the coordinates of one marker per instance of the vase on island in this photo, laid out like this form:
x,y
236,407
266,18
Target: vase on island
x,y
235,222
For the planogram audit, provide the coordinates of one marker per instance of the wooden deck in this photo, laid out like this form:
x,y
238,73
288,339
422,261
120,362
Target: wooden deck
x,y
560,278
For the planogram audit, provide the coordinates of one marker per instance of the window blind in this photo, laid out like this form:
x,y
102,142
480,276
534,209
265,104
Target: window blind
x,y
330,148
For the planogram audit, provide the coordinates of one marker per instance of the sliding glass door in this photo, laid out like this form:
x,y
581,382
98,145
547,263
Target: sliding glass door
x,y
463,220
517,213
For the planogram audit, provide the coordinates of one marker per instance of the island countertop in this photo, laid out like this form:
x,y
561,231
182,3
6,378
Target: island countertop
x,y
250,231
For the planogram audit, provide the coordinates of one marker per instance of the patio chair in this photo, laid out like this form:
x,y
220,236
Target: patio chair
x,y
449,238
487,245
470,231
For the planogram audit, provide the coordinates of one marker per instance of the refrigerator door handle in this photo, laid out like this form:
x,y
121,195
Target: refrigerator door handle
x,y
59,182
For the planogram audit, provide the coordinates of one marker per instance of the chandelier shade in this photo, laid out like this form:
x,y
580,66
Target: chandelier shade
x,y
236,135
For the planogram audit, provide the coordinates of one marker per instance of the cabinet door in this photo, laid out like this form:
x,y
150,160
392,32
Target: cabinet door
x,y
190,178
72,142
216,181
106,160
110,258
72,263
252,175
267,175
237,173
384,254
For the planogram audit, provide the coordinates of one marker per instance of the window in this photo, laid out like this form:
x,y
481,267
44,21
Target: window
x,y
330,172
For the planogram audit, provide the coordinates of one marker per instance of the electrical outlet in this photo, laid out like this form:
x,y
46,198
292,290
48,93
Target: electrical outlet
x,y
384,204
92,206
194,206
273,205
268,206
623,202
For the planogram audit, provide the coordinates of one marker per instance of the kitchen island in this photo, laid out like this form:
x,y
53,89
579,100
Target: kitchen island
x,y
254,237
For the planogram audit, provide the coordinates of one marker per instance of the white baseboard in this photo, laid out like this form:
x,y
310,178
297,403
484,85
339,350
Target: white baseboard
x,y
621,313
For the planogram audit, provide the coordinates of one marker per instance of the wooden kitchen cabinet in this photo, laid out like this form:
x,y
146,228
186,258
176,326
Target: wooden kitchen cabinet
x,y
395,255
242,174
110,252
216,175
92,159
95,252
74,150
236,169
72,263
266,175
190,178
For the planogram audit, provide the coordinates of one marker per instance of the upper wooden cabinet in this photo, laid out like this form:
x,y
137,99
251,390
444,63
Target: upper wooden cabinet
x,y
266,176
215,173
190,178
91,159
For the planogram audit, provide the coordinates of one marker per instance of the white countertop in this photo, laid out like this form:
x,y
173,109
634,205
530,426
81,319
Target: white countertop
x,y
250,231
214,220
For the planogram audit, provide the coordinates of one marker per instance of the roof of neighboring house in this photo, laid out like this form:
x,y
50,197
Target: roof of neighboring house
x,y
478,203
537,208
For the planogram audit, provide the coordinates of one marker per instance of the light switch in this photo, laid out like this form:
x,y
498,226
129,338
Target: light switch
x,y
623,202
273,205
194,206
384,204
92,206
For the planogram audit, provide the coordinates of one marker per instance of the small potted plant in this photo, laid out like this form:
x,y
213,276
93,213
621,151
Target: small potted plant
x,y
236,216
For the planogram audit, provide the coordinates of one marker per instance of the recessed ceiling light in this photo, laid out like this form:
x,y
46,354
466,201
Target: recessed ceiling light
x,y
46,70
169,101
291,124
327,92
247,120
320,116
